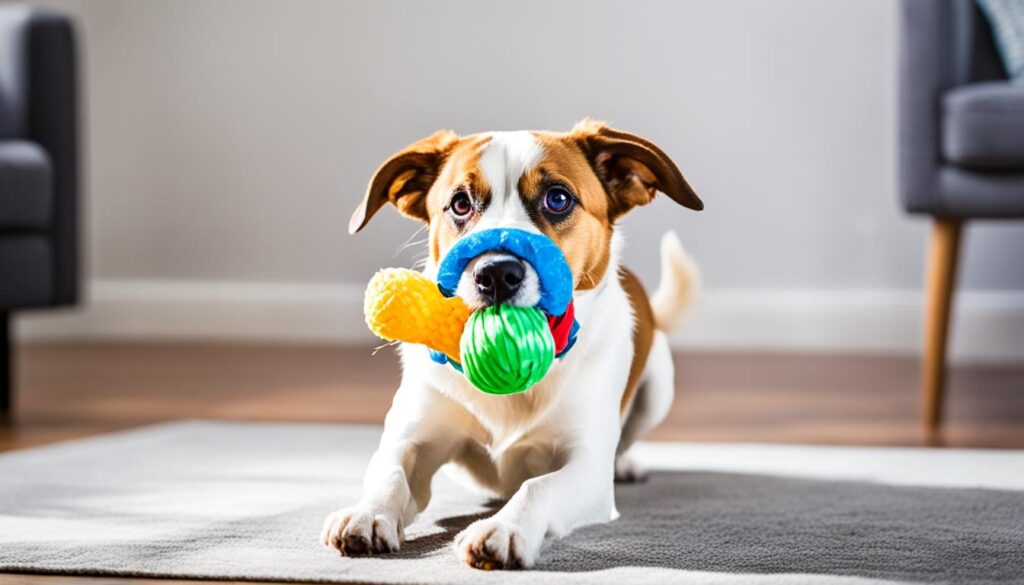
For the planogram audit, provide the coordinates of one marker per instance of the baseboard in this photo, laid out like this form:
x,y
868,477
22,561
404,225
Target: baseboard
x,y
988,326
138,310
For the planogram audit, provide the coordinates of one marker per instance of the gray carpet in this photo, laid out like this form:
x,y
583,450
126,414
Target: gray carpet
x,y
246,501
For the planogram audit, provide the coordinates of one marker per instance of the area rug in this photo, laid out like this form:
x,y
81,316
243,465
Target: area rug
x,y
245,501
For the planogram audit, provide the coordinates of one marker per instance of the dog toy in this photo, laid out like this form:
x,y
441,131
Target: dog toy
x,y
404,305
506,349
501,349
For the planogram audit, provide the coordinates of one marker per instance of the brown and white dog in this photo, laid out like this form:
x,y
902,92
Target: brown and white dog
x,y
554,450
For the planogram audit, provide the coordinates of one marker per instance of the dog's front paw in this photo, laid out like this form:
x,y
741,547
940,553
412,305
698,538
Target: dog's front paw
x,y
494,544
358,532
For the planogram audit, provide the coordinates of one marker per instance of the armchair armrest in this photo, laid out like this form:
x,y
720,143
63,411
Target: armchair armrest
x,y
52,122
944,44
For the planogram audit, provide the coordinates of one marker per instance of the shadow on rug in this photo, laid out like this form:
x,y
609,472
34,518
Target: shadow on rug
x,y
734,523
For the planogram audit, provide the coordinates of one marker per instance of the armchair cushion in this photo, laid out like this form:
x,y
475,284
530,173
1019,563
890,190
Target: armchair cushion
x,y
983,126
1007,19
965,193
26,186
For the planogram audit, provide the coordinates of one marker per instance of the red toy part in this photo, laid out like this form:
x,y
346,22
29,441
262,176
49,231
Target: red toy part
x,y
561,326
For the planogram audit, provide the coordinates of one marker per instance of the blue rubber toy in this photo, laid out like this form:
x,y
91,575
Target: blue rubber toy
x,y
544,256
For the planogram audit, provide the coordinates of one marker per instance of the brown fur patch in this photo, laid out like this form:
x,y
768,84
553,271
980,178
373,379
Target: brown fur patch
x,y
585,237
404,179
461,169
643,333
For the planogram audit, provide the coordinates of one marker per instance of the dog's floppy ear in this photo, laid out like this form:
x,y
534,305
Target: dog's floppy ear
x,y
631,168
404,179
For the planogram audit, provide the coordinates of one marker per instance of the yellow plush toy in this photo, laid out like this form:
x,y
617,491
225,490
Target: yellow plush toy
x,y
404,305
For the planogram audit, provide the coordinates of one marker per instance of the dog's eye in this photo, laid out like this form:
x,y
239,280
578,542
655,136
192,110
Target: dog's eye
x,y
558,201
461,205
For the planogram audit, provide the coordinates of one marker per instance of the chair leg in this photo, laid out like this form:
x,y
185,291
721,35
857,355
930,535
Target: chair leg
x,y
6,377
941,279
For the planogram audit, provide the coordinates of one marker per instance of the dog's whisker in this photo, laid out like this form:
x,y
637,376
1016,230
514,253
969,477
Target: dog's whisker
x,y
409,242
421,262
588,274
408,245
383,345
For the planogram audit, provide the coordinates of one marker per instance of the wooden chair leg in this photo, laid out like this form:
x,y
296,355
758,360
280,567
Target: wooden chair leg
x,y
941,280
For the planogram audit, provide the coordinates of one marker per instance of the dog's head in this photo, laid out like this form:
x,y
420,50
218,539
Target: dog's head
x,y
571,187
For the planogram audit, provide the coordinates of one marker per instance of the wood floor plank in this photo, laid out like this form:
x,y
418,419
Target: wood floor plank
x,y
76,390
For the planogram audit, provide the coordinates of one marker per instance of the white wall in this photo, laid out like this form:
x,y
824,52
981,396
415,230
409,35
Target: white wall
x,y
229,141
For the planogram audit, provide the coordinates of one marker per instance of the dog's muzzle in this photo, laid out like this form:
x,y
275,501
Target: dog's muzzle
x,y
498,278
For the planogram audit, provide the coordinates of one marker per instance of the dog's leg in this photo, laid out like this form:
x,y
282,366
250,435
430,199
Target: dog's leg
x,y
420,434
579,492
650,406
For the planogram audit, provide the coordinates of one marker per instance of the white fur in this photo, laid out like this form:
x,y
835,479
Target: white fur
x,y
503,160
550,451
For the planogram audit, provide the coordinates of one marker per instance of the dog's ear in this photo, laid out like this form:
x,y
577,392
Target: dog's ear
x,y
404,179
631,168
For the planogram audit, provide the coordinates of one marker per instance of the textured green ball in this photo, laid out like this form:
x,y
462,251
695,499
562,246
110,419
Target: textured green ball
x,y
506,349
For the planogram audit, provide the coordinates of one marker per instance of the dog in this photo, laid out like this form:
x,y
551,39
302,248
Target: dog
x,y
551,453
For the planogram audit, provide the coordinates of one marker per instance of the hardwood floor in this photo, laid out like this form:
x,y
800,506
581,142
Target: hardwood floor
x,y
70,391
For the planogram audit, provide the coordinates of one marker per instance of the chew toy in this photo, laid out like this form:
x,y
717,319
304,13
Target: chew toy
x,y
404,305
506,349
501,349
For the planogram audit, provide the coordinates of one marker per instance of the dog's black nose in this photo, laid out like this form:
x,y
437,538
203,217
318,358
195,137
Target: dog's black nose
x,y
498,281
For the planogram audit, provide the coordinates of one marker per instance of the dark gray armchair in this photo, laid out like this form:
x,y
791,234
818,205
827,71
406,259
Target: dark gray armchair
x,y
38,169
961,150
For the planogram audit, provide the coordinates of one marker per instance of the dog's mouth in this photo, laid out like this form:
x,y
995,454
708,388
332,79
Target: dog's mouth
x,y
497,277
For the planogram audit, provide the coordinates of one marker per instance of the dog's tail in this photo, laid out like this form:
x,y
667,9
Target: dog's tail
x,y
679,286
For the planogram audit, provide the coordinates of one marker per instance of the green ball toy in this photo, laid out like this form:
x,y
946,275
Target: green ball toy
x,y
506,349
